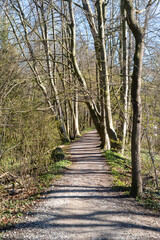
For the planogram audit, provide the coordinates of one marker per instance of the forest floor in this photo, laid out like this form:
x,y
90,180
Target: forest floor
x,y
84,205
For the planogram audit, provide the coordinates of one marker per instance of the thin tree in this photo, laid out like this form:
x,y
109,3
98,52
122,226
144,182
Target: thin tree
x,y
124,74
139,35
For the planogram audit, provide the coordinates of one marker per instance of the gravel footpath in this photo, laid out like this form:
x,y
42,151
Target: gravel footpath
x,y
83,205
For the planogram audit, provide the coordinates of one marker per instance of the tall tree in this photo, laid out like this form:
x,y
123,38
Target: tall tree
x,y
124,74
103,119
139,35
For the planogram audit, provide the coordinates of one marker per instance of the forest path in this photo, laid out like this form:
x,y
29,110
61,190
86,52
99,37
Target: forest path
x,y
83,205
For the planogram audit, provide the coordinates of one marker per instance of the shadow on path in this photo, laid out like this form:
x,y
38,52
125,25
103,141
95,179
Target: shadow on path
x,y
83,201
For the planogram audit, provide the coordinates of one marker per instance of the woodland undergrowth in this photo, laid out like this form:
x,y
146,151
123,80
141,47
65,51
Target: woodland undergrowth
x,y
17,202
121,171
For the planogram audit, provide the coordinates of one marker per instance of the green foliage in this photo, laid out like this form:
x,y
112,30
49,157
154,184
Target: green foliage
x,y
28,134
121,169
12,209
57,154
3,34
60,165
32,139
150,200
88,130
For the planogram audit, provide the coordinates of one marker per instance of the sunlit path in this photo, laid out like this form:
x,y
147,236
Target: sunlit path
x,y
82,205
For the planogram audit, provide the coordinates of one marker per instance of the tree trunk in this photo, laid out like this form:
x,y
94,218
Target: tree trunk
x,y
125,75
139,34
137,120
52,74
106,113
98,121
100,49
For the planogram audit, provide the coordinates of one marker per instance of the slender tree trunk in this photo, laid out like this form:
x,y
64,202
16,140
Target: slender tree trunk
x,y
106,114
139,34
125,75
137,120
65,70
52,74
76,110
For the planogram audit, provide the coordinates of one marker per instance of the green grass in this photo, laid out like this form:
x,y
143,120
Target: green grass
x,y
87,130
81,134
12,209
121,171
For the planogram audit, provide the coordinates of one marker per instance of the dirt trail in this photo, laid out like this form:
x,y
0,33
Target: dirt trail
x,y
83,205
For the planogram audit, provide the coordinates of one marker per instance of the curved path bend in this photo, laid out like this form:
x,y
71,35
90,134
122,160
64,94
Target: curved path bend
x,y
83,205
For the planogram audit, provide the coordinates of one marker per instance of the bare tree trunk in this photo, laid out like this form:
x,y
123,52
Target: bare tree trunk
x,y
137,119
52,74
106,113
139,34
125,75
87,98
100,49
76,110
65,70
130,57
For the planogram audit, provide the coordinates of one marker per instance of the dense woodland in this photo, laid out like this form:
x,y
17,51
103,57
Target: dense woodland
x,y
69,65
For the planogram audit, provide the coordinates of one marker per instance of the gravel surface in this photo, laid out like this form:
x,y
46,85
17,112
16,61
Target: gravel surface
x,y
83,205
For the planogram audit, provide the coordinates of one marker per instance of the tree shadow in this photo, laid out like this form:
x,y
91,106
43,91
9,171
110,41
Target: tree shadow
x,y
65,217
93,219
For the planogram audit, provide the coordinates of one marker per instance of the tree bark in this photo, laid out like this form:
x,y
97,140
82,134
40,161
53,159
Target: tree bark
x,y
87,98
100,49
139,34
125,75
